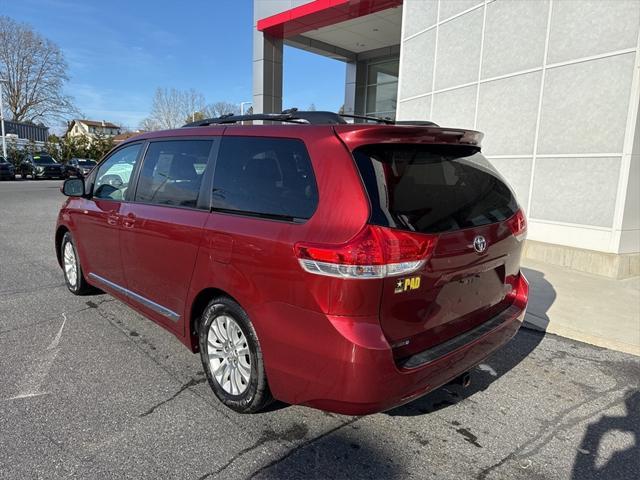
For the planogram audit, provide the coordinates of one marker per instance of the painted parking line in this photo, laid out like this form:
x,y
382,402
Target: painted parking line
x,y
32,382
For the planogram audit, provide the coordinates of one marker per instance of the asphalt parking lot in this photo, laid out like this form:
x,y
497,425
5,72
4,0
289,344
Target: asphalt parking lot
x,y
90,389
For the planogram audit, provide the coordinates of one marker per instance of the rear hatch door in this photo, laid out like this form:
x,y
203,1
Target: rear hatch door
x,y
450,191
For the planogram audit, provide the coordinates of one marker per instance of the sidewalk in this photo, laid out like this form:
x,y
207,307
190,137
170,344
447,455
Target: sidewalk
x,y
589,308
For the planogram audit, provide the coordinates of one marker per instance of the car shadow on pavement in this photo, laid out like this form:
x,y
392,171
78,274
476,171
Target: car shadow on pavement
x,y
541,297
494,367
341,454
624,462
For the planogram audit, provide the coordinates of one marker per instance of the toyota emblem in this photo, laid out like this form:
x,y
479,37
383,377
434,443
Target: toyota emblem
x,y
479,244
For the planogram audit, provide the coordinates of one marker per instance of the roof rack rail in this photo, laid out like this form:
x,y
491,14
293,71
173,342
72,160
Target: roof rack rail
x,y
370,118
293,115
417,123
231,118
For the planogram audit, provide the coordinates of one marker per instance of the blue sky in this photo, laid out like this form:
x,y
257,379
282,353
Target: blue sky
x,y
119,52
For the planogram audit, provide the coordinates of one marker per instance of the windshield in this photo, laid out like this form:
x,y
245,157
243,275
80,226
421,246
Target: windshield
x,y
86,163
43,159
433,189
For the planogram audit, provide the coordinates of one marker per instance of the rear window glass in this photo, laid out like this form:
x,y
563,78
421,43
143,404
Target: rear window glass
x,y
432,189
265,177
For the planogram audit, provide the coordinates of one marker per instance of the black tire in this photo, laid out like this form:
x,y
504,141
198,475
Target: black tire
x,y
257,394
81,287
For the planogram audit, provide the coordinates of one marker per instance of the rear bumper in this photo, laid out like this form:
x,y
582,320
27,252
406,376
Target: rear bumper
x,y
358,375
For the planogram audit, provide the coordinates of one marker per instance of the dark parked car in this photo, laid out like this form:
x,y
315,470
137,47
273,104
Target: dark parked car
x,y
348,267
41,165
79,167
7,170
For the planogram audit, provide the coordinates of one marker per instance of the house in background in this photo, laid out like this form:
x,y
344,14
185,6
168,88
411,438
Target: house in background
x,y
92,129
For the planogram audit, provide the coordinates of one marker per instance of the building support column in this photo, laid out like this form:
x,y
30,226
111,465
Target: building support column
x,y
267,73
349,106
355,87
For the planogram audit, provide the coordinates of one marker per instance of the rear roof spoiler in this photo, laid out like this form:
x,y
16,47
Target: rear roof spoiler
x,y
355,136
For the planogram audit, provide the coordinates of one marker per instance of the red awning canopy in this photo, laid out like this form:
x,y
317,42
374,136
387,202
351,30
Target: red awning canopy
x,y
320,13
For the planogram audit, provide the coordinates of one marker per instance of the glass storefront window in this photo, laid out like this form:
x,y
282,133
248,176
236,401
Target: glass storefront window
x,y
383,72
382,88
381,98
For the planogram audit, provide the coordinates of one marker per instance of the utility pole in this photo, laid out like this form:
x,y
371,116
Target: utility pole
x,y
4,138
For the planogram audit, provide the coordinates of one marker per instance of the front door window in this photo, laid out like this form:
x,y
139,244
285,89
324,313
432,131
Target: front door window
x,y
112,179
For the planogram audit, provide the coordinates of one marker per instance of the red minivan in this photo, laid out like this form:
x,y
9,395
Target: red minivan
x,y
351,267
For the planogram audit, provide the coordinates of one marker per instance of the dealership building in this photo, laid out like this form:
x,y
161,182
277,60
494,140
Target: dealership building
x,y
553,84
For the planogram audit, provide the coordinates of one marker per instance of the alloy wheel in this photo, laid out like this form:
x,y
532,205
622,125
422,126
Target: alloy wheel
x,y
229,355
70,265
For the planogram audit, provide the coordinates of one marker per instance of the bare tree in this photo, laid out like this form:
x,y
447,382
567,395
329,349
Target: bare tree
x,y
36,72
149,125
172,108
194,104
218,109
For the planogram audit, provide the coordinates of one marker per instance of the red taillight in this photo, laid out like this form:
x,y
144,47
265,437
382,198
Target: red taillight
x,y
375,252
518,225
363,249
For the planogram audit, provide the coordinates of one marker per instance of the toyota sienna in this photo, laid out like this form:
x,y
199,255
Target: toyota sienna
x,y
351,267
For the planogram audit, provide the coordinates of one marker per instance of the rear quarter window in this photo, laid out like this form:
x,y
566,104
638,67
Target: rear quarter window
x,y
265,177
432,189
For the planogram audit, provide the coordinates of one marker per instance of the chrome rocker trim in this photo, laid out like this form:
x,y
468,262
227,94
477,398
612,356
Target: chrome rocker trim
x,y
170,314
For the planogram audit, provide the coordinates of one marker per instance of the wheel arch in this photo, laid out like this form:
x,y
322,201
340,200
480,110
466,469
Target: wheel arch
x,y
199,303
60,231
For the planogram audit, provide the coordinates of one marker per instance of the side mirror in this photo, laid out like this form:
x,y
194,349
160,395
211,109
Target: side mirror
x,y
73,187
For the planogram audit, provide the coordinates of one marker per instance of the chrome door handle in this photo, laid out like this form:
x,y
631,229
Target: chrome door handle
x,y
112,219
